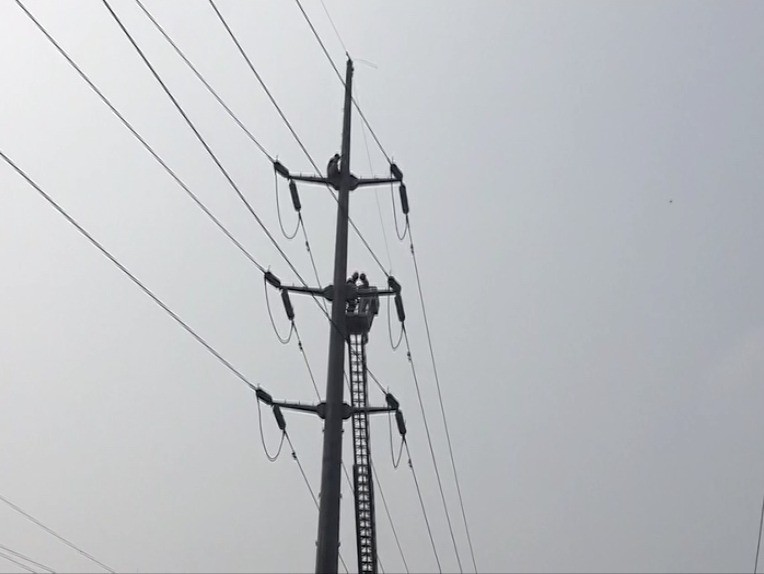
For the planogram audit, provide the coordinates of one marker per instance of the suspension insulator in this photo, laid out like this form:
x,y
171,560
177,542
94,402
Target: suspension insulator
x,y
279,417
392,402
393,284
287,304
400,422
399,308
272,279
295,195
397,174
404,198
264,396
280,169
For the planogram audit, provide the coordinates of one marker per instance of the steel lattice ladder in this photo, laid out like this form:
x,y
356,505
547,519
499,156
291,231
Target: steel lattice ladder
x,y
362,478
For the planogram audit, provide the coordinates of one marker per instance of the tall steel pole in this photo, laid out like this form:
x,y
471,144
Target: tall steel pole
x,y
329,509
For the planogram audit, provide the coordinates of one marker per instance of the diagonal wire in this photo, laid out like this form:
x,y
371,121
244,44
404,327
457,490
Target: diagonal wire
x,y
440,395
334,27
129,274
49,530
12,560
133,131
198,74
291,129
421,504
160,28
389,518
199,136
331,61
432,450
27,558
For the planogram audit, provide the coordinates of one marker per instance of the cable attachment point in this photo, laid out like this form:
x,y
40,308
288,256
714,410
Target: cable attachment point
x,y
391,401
264,396
271,279
296,197
395,171
280,169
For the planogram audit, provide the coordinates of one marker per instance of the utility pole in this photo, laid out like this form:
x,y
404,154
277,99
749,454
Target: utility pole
x,y
334,410
329,507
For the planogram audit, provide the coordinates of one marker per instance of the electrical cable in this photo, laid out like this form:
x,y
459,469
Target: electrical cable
x,y
199,136
27,558
421,504
128,273
12,560
432,450
398,234
268,455
282,340
440,395
294,134
333,26
52,532
278,212
145,144
395,346
357,107
305,358
389,517
196,72
396,462
201,78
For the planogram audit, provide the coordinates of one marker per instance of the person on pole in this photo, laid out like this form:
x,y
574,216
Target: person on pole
x,y
333,168
352,302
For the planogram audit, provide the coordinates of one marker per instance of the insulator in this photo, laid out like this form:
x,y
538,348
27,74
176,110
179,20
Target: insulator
x,y
295,195
280,169
392,402
399,308
393,284
404,198
397,174
287,304
400,422
272,279
279,417
263,396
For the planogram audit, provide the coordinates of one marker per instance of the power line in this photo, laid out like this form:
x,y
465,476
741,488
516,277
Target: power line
x,y
198,74
432,450
390,518
47,529
421,504
12,560
128,273
27,558
300,221
135,133
440,395
334,27
355,103
199,136
291,129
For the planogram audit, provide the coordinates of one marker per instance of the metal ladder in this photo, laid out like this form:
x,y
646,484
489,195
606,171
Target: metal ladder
x,y
362,478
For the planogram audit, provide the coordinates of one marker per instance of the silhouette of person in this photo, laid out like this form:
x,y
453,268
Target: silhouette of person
x,y
333,167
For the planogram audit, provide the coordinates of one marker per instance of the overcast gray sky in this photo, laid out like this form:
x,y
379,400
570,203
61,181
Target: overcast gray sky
x,y
585,185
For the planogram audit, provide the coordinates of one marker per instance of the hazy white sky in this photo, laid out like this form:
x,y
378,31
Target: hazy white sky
x,y
585,185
